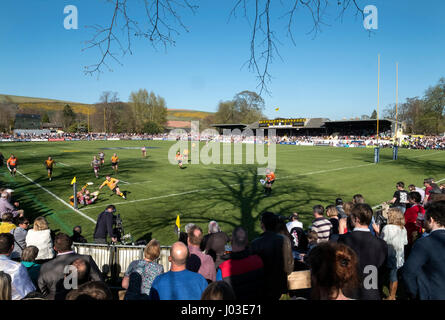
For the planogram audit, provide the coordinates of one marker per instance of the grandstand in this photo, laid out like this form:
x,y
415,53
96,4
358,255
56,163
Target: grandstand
x,y
27,121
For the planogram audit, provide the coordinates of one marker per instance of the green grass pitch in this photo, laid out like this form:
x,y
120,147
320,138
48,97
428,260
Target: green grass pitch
x,y
158,191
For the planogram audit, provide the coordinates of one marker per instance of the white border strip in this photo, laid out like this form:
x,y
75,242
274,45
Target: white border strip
x,y
61,200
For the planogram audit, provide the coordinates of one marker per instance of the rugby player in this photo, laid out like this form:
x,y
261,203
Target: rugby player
x,y
112,184
12,164
179,159
102,158
144,152
114,162
96,166
50,163
270,179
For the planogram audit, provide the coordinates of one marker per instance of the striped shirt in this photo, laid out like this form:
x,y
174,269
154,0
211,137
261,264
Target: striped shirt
x,y
322,227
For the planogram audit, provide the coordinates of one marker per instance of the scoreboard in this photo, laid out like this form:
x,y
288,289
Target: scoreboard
x,y
282,123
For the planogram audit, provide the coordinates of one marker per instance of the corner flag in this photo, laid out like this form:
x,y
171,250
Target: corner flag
x,y
73,181
178,225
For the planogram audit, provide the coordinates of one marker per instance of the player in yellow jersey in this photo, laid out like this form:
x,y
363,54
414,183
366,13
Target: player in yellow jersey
x,y
49,164
112,184
114,162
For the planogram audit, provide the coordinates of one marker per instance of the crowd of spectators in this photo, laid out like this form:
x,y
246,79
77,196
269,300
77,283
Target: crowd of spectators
x,y
351,251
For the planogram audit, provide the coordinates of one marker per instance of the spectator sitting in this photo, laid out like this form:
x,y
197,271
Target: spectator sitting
x,y
52,271
5,286
40,236
394,233
414,217
320,224
19,234
413,188
6,226
6,206
371,251
215,242
424,270
141,273
178,283
92,290
400,197
294,222
339,207
21,284
344,224
218,290
357,198
333,271
242,270
207,266
77,237
29,255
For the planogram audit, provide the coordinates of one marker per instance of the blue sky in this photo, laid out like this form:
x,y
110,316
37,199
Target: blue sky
x,y
333,75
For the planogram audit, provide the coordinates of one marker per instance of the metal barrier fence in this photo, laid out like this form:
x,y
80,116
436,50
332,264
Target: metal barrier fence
x,y
113,260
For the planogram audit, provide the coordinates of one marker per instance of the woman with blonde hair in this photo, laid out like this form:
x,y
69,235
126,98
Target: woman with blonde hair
x,y
395,235
140,274
5,286
40,237
332,213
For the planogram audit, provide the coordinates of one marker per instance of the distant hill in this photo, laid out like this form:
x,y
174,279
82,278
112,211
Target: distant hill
x,y
31,104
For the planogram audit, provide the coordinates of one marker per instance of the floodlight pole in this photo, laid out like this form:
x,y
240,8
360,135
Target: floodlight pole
x,y
377,148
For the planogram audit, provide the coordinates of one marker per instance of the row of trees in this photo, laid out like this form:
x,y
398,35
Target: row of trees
x,y
422,115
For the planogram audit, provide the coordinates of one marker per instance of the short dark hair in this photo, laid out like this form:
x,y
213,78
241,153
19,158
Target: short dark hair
x,y
77,227
218,290
92,290
22,220
7,217
240,237
30,253
269,220
358,198
62,242
363,212
415,196
6,242
436,210
111,207
338,201
400,184
318,209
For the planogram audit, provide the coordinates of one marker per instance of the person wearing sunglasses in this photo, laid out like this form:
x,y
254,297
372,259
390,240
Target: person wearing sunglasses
x,y
19,234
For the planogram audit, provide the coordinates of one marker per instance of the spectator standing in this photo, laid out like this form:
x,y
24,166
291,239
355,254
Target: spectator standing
x,y
294,222
339,207
370,250
242,270
207,266
320,224
395,236
298,236
269,246
333,271
215,243
141,273
6,226
5,286
29,255
400,197
413,188
19,234
178,283
52,272
21,284
424,270
414,217
40,236
332,213
104,226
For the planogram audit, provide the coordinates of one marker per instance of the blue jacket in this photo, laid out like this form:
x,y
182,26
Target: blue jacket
x,y
424,271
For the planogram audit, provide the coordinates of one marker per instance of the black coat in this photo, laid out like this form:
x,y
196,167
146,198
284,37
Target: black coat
x,y
424,271
371,251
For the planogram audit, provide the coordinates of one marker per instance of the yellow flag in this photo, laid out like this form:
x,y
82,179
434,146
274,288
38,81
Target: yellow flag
x,y
276,109
178,223
73,181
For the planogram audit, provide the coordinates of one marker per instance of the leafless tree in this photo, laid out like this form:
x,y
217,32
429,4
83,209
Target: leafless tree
x,y
163,22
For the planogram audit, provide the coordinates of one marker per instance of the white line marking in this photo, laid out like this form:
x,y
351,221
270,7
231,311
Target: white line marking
x,y
124,181
52,194
141,182
63,164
